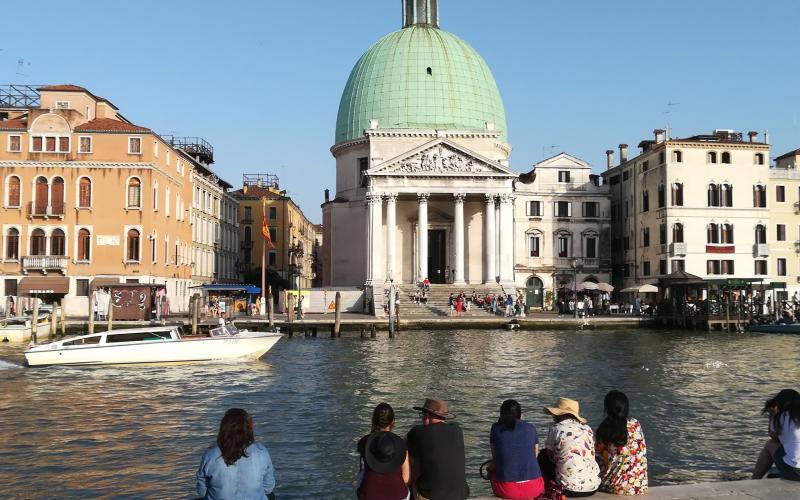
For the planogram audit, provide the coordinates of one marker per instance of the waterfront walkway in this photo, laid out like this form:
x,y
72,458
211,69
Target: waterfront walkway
x,y
770,489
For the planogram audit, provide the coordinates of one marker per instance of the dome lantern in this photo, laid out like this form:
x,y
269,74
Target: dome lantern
x,y
421,12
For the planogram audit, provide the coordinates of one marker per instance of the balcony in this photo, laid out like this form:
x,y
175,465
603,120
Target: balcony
x,y
677,249
761,250
247,220
247,244
661,249
45,263
45,211
586,263
196,147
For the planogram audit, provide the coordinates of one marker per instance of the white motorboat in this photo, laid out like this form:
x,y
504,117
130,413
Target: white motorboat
x,y
158,344
19,329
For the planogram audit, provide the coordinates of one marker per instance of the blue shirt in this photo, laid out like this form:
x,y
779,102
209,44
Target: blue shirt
x,y
515,456
250,478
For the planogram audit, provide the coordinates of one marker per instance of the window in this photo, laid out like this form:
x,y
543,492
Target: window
x,y
646,268
248,234
273,213
166,202
713,195
137,337
712,233
563,176
272,259
677,232
761,234
646,237
12,244
759,197
154,248
14,143
780,193
677,194
781,263
591,247
563,208
780,232
678,265
726,234
134,145
645,166
133,245
662,266
613,180
52,144
727,267
57,243
36,144
626,270
13,197
726,195
591,209
57,196
626,242
155,197
719,267
363,166
42,193
84,193
11,287
625,176
248,214
82,288
760,267
563,246
273,235
38,242
645,201
533,245
677,156
712,158
662,196
759,158
84,245
62,105
662,157
134,193
726,157
84,144
662,234
534,209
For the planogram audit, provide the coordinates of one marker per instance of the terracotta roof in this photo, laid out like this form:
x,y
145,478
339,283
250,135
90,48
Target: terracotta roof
x,y
64,88
109,125
781,157
17,124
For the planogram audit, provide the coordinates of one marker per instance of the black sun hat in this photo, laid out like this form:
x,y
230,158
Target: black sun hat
x,y
384,451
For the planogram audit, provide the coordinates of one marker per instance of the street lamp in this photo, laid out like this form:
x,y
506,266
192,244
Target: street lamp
x,y
576,265
296,271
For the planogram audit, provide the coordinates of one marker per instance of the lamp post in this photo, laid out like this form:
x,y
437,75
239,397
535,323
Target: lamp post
x,y
296,271
576,265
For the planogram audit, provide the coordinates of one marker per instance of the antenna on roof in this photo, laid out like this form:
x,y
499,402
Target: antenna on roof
x,y
548,150
670,109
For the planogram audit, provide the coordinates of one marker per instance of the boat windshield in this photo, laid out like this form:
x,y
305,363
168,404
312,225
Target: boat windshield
x,y
224,331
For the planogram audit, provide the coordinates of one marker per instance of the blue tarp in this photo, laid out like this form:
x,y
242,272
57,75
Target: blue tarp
x,y
229,287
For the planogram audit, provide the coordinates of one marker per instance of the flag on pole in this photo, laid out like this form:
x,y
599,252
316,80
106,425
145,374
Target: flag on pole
x,y
264,229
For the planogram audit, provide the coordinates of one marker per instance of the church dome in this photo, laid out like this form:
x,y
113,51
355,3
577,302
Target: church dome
x,y
420,77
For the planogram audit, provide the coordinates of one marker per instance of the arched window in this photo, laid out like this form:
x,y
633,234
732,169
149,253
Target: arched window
x,y
677,233
677,194
13,197
713,195
42,196
662,196
677,156
645,201
57,243
12,244
84,192
761,234
726,157
84,245
712,233
726,195
133,245
726,234
759,196
248,234
57,196
38,246
759,158
134,193
712,157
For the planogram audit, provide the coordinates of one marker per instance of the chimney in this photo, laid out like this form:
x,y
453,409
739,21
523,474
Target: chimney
x,y
610,158
623,153
327,195
659,135
752,135
766,137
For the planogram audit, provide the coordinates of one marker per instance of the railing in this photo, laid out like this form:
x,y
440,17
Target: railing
x,y
247,220
44,263
677,249
36,210
194,146
784,173
585,263
761,250
19,96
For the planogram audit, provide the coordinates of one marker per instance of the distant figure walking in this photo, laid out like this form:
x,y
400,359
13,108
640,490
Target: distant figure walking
x,y
237,467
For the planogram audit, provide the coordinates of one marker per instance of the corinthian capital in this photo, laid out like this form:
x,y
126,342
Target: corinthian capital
x,y
423,197
459,197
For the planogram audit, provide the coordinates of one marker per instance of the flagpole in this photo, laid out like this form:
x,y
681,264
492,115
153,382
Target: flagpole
x,y
263,259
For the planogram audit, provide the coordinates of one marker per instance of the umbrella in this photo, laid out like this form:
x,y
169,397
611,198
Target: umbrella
x,y
641,289
588,285
572,287
605,287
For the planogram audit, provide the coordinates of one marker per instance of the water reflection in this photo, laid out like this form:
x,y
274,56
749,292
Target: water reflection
x,y
139,431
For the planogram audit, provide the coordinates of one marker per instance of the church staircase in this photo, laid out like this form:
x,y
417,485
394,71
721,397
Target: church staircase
x,y
438,299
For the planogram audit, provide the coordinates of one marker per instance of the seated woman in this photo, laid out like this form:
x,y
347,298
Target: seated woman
x,y
515,444
237,466
567,462
783,447
621,449
385,470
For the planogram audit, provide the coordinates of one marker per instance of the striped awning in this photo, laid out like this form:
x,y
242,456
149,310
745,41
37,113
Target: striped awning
x,y
44,285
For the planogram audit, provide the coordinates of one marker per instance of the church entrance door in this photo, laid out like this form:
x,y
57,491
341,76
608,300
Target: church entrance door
x,y
533,292
437,257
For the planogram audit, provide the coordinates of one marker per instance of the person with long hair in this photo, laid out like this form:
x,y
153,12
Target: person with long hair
x,y
783,447
237,467
384,472
621,449
514,444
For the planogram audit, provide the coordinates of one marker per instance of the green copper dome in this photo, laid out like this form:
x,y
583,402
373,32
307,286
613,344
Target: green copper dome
x,y
420,77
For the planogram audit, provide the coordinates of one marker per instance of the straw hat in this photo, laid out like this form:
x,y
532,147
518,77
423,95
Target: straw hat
x,y
566,406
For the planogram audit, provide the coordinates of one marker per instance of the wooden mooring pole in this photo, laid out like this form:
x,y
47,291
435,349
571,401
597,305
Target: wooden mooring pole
x,y
270,312
35,321
91,313
195,312
53,321
337,321
372,333
8,306
110,315
63,317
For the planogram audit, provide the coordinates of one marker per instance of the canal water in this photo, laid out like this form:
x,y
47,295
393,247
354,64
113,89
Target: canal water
x,y
138,432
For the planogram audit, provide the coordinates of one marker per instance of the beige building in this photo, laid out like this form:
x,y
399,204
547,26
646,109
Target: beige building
x,y
563,215
88,198
697,204
783,234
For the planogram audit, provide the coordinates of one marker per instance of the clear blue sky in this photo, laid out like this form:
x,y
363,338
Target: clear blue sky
x,y
261,80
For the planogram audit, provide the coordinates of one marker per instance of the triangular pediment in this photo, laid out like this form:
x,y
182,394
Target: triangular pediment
x,y
563,160
441,158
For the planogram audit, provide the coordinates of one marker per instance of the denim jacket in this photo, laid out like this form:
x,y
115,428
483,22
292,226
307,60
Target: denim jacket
x,y
251,478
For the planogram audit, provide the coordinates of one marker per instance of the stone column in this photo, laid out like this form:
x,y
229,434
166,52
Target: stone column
x,y
506,239
391,228
489,257
458,239
374,223
422,238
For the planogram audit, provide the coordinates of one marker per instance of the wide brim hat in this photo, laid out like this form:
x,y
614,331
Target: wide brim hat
x,y
384,451
437,408
565,406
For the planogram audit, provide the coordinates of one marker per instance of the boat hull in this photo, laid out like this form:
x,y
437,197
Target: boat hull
x,y
169,351
793,328
20,333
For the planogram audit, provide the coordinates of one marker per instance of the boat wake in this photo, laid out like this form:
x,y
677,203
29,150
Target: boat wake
x,y
8,365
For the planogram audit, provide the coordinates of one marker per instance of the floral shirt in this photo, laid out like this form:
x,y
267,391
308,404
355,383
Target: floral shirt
x,y
625,467
571,447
